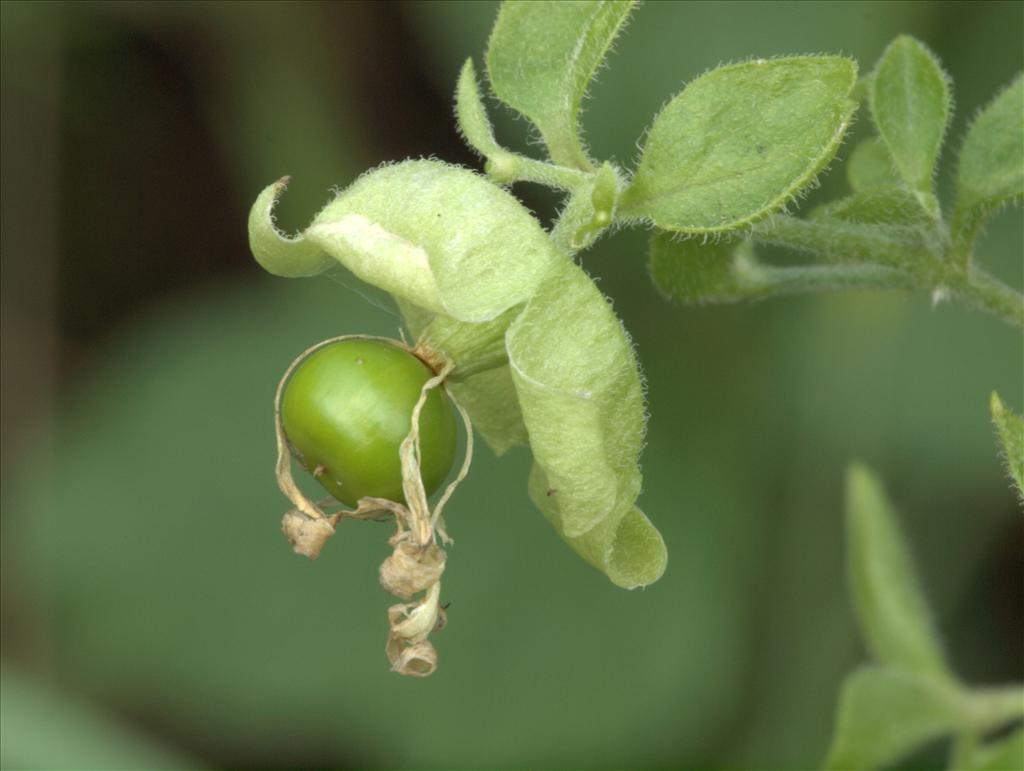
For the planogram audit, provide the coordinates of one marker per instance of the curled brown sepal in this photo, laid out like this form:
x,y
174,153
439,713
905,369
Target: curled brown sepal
x,y
306,534
411,569
408,649
416,660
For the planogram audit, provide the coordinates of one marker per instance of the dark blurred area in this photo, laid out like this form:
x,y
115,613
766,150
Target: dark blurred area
x,y
152,614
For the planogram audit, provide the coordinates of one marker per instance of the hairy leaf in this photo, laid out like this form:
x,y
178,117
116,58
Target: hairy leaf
x,y
741,142
1010,428
692,272
884,714
542,56
472,115
581,396
877,206
891,609
909,98
435,235
870,165
991,167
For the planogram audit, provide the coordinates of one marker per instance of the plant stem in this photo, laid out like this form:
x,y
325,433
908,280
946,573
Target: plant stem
x,y
983,291
844,242
916,260
512,167
766,281
576,227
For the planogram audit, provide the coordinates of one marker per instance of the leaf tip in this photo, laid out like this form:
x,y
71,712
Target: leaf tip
x,y
276,252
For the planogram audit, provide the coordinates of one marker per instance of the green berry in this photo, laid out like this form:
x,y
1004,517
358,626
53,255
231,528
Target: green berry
x,y
348,406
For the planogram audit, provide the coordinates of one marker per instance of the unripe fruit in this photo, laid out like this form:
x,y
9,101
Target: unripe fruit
x,y
346,409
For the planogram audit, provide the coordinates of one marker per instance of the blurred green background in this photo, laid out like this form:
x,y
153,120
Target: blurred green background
x,y
153,615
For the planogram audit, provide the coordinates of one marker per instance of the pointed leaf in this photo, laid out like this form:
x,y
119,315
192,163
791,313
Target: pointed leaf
x,y
891,609
870,165
581,396
472,115
542,56
885,714
741,142
991,166
909,98
1010,428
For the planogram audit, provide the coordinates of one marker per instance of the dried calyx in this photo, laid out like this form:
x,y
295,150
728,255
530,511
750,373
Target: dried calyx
x,y
418,560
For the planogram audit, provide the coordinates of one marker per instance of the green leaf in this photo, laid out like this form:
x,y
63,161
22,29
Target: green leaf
x,y
542,56
581,396
472,115
991,166
870,165
1006,754
741,142
891,609
909,98
884,714
1010,428
438,236
877,206
692,272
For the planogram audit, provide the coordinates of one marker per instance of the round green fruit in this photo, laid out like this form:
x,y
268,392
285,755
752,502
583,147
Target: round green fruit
x,y
346,409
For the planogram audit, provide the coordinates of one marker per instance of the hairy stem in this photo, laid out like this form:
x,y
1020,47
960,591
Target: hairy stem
x,y
767,281
985,292
915,257
844,242
507,168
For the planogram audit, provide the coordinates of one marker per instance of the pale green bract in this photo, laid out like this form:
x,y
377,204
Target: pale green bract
x,y
1010,428
909,98
433,234
991,167
582,400
892,611
884,714
741,142
542,56
487,391
540,357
